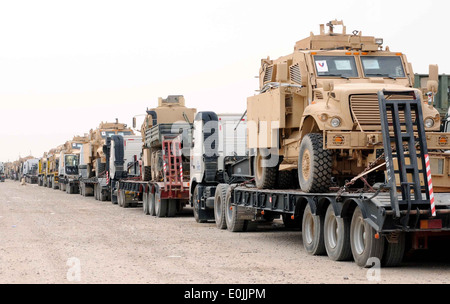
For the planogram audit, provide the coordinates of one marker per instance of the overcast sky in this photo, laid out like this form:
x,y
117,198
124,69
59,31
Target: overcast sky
x,y
65,66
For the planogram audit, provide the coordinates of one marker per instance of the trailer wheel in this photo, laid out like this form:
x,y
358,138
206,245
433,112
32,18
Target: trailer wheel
x,y
219,206
337,236
363,242
233,223
145,203
312,232
265,176
151,204
314,165
171,207
160,205
394,252
119,198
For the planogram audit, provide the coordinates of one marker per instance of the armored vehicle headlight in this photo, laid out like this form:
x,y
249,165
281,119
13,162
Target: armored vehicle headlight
x,y
429,122
335,122
379,41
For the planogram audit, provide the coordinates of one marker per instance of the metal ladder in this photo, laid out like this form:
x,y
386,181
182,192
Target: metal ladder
x,y
406,152
172,162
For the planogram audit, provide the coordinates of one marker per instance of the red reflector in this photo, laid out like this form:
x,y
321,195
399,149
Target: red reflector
x,y
431,224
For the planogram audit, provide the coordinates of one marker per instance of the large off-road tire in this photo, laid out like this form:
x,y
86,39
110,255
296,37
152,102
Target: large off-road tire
x,y
312,232
233,223
394,252
364,244
314,165
337,236
265,174
147,173
219,206
286,180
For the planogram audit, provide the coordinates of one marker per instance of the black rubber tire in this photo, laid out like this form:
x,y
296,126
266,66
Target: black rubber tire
x,y
314,165
100,169
145,203
151,204
265,176
233,224
312,232
285,180
160,206
363,242
219,206
147,173
394,252
337,236
172,207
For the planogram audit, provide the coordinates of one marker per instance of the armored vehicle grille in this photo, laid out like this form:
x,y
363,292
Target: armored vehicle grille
x,y
295,74
367,111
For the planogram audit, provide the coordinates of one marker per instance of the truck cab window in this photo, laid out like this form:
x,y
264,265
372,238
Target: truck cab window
x,y
336,66
383,66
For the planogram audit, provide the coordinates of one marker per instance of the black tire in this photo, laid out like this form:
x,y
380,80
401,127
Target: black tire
x,y
100,169
312,232
337,236
145,203
151,204
265,175
233,223
285,180
394,252
114,199
219,206
160,206
314,165
196,206
119,198
147,173
363,242
172,207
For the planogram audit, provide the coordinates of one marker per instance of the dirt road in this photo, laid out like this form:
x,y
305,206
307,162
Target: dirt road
x,y
48,236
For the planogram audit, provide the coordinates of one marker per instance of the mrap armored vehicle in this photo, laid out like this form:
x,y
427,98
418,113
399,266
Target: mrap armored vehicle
x,y
317,117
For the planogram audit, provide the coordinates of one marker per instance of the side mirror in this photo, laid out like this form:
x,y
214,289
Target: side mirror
x,y
432,86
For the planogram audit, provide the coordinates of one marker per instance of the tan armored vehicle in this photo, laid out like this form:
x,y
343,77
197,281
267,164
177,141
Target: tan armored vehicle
x,y
317,116
68,164
169,117
52,176
92,154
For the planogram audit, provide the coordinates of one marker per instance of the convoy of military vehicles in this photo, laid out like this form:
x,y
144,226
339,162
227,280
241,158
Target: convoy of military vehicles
x,y
338,143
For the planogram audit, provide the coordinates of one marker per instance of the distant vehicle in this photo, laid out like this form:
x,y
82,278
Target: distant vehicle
x,y
2,172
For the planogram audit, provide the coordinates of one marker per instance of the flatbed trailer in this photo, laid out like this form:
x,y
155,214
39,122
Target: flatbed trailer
x,y
157,198
373,222
361,226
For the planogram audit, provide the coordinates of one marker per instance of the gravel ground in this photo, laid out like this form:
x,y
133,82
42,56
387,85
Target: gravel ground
x,y
48,236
